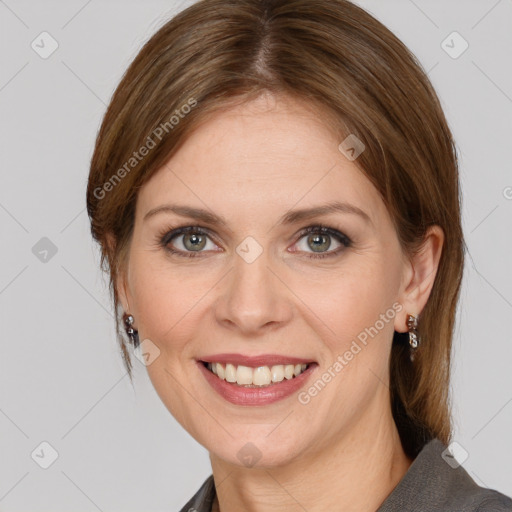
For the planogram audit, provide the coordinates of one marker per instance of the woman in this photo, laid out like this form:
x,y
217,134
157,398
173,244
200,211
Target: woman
x,y
275,191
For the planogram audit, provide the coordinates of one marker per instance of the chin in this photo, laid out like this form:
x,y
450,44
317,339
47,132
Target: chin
x,y
260,450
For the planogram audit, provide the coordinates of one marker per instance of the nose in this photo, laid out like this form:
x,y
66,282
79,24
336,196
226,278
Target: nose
x,y
255,298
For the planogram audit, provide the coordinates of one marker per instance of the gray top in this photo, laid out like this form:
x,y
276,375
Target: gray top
x,y
431,484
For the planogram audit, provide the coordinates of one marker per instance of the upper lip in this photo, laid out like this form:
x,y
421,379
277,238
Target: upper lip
x,y
254,361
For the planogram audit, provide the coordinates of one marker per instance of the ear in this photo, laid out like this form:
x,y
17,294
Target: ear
x,y
120,283
419,275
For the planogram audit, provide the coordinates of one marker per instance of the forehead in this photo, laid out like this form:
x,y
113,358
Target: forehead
x,y
263,157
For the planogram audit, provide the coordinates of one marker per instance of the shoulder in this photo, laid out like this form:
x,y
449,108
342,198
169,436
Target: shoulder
x,y
493,501
203,498
480,499
435,482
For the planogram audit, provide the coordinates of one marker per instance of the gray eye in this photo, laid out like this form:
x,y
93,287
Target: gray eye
x,y
194,241
319,242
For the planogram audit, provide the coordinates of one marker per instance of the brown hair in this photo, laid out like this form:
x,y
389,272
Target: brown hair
x,y
343,62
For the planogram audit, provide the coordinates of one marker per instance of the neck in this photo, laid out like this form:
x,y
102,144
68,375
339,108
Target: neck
x,y
353,472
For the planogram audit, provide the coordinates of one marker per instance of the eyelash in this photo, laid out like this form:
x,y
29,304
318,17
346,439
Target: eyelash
x,y
166,236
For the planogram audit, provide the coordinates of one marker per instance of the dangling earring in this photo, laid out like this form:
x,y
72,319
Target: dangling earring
x,y
132,333
414,337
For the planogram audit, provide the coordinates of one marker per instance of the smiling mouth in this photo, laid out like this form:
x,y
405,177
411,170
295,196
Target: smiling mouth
x,y
258,377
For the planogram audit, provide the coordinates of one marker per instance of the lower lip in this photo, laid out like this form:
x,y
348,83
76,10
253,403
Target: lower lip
x,y
240,395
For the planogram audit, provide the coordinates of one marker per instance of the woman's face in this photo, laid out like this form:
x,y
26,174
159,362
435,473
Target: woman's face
x,y
258,285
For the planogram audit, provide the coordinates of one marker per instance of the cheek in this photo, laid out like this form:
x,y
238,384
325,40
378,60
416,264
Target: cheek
x,y
169,301
351,314
343,302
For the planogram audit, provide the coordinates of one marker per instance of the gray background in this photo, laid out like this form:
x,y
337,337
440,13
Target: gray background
x,y
62,380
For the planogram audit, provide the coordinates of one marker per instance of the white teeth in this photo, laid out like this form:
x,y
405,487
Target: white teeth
x,y
260,376
244,375
230,373
219,370
277,373
288,371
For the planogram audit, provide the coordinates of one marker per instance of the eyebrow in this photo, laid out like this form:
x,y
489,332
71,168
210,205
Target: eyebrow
x,y
291,217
